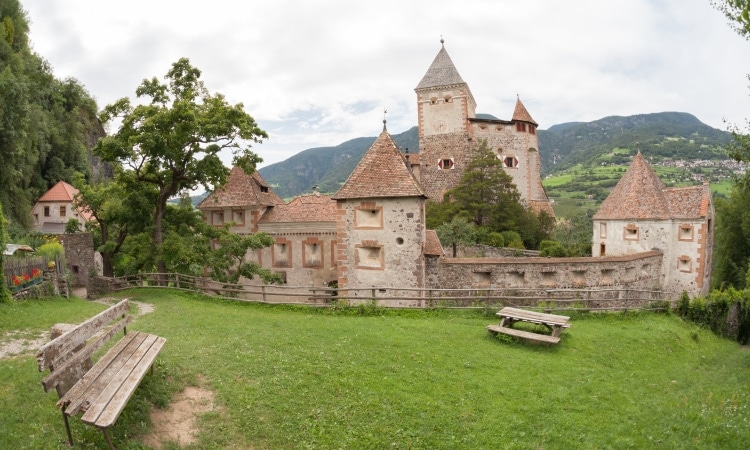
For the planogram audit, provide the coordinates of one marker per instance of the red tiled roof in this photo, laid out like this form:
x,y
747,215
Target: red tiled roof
x,y
382,172
60,192
305,208
640,194
521,114
432,246
242,190
63,192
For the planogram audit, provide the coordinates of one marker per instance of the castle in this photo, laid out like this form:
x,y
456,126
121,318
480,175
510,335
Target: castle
x,y
449,130
371,232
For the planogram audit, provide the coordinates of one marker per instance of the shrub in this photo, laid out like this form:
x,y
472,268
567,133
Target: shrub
x,y
72,226
512,239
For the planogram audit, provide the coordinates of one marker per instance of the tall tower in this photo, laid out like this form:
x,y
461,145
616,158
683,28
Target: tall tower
x,y
449,130
444,106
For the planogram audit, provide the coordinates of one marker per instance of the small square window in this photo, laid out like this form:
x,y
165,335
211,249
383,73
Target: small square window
x,y
684,264
686,232
46,211
510,161
631,232
63,211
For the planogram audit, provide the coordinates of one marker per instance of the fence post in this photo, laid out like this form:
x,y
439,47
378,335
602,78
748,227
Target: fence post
x,y
263,292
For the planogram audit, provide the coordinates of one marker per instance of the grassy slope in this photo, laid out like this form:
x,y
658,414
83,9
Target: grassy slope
x,y
304,378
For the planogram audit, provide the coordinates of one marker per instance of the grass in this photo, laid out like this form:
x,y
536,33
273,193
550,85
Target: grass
x,y
292,377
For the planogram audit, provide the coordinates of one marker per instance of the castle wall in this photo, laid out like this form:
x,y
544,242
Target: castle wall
x,y
685,244
638,271
380,242
303,254
79,256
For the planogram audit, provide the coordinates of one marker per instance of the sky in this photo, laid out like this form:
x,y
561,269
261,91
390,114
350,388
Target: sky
x,y
317,73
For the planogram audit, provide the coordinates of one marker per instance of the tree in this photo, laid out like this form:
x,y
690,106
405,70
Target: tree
x,y
732,255
173,141
457,231
4,292
738,13
119,207
574,234
486,193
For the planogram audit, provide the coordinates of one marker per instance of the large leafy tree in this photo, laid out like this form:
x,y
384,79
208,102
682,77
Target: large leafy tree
x,y
732,252
119,208
173,140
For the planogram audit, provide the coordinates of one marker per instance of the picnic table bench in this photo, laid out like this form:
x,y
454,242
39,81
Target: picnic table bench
x,y
509,316
102,392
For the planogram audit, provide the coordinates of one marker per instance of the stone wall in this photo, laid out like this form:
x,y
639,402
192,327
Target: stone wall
x,y
79,257
639,271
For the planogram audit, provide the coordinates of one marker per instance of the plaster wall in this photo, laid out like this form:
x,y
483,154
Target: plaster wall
x,y
384,251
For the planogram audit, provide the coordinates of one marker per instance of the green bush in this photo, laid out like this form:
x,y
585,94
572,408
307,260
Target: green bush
x,y
72,226
512,239
554,251
713,311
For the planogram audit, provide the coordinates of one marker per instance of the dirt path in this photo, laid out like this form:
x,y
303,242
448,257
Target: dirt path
x,y
177,423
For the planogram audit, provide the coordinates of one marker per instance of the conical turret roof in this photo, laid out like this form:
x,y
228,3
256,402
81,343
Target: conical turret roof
x,y
521,114
382,172
639,194
442,72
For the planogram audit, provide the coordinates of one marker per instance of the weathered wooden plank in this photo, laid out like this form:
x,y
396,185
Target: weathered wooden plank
x,y
109,416
107,393
533,316
524,334
56,350
60,372
96,379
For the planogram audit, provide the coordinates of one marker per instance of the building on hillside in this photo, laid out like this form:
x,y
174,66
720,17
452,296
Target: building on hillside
x,y
56,207
641,214
449,130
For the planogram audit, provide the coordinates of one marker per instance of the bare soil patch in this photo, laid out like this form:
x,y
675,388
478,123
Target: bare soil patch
x,y
177,423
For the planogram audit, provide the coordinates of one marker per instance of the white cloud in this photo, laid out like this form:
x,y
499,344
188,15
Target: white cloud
x,y
319,73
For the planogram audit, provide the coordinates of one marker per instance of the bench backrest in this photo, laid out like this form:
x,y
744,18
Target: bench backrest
x,y
69,350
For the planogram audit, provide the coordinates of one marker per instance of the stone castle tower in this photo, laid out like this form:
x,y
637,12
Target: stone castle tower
x,y
449,130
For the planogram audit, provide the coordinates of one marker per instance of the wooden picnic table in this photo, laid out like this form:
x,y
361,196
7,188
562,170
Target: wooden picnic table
x,y
509,316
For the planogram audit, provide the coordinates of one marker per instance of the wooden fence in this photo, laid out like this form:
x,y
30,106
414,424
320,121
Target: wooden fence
x,y
27,269
490,298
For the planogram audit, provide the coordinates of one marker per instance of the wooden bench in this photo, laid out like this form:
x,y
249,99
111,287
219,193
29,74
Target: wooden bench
x,y
102,392
508,316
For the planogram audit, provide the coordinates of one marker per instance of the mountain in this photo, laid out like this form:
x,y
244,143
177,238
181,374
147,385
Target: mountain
x,y
666,135
326,167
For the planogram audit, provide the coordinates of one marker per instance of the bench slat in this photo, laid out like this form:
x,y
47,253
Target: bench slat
x,y
56,350
533,316
104,396
88,388
110,414
524,334
62,371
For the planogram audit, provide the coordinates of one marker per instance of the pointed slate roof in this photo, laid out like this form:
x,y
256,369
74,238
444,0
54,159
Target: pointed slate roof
x,y
314,207
639,194
382,172
242,190
521,114
442,72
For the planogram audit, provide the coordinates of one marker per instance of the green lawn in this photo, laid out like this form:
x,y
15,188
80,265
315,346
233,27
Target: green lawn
x,y
348,378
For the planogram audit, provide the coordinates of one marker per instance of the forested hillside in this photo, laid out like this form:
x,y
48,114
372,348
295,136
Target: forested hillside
x,y
668,135
326,167
47,125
